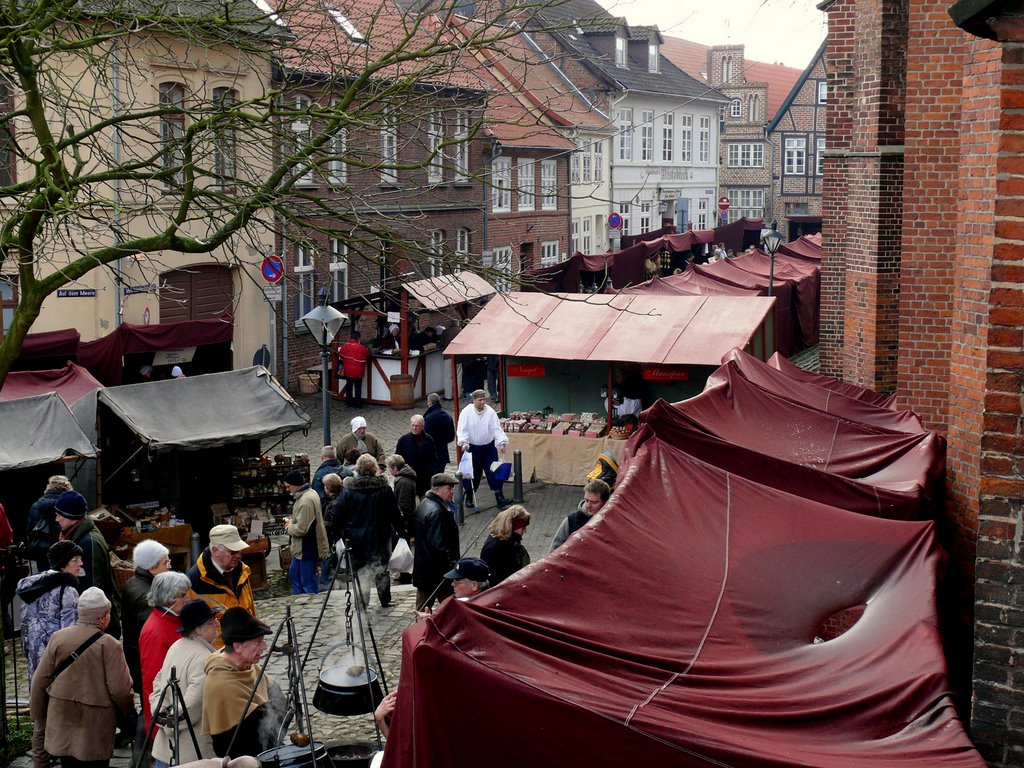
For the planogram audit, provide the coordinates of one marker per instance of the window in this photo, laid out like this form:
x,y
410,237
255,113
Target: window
x,y
620,51
667,137
796,157
598,161
337,169
462,147
436,249
8,167
822,91
350,29
625,134
585,244
746,155
501,262
434,137
172,131
8,302
702,213
652,57
304,280
704,140
527,184
624,213
735,109
339,271
575,244
388,148
647,134
224,141
462,241
819,157
301,134
549,253
587,159
645,217
574,167
549,184
747,203
501,184
685,138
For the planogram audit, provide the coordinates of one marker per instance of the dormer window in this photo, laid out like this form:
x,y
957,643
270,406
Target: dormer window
x,y
620,51
353,34
652,56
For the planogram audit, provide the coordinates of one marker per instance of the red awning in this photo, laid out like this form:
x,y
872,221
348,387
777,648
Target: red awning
x,y
71,383
850,390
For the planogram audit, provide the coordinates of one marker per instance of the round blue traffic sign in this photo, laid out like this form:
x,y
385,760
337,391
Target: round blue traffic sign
x,y
272,269
614,220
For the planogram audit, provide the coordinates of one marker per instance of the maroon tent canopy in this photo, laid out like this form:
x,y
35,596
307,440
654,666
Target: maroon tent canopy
x,y
71,383
689,283
815,396
678,628
850,390
805,279
48,349
805,247
735,410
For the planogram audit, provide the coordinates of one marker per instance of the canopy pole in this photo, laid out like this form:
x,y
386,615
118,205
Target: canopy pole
x,y
610,384
404,330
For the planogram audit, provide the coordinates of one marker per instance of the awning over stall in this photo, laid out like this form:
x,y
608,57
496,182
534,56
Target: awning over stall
x,y
667,330
445,290
205,411
39,430
71,383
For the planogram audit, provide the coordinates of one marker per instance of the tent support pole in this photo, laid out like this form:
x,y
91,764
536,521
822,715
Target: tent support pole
x,y
610,383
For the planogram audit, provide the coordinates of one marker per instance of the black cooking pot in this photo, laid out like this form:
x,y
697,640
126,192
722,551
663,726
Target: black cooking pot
x,y
339,693
291,756
357,755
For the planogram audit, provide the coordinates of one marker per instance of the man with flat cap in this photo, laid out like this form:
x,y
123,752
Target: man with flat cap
x,y
362,441
437,542
220,575
307,534
469,577
231,675
70,514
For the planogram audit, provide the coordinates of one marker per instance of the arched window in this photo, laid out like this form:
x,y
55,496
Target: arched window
x,y
736,109
172,131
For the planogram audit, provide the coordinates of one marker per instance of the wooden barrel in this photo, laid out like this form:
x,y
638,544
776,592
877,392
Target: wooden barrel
x,y
401,392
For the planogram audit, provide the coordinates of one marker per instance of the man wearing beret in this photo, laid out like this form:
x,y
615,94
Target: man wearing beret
x,y
70,514
307,535
219,574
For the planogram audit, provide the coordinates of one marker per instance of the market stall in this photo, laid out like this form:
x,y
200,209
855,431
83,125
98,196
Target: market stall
x,y
404,375
566,359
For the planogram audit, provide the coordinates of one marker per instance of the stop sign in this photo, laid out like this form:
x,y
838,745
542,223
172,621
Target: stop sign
x,y
723,203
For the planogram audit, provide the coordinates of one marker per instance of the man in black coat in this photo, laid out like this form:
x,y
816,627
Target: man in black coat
x,y
438,423
437,542
419,452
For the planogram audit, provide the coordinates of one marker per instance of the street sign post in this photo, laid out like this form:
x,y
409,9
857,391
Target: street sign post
x,y
723,204
614,220
272,268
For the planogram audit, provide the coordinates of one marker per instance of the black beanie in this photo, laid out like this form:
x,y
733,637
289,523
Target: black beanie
x,y
60,554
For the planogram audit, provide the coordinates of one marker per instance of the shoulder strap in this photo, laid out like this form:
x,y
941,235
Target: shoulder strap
x,y
75,654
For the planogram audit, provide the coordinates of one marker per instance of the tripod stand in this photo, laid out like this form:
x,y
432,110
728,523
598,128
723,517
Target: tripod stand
x,y
170,716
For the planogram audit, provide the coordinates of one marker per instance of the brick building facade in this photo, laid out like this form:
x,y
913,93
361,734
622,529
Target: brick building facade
x,y
922,295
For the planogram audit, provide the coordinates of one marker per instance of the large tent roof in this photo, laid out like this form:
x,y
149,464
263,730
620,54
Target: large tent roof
x,y
671,330
39,430
71,382
850,390
678,628
205,411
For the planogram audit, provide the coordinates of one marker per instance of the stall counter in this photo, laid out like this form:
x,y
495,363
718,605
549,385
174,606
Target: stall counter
x,y
427,370
560,459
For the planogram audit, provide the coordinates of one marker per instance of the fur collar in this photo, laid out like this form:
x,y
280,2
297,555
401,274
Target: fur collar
x,y
365,483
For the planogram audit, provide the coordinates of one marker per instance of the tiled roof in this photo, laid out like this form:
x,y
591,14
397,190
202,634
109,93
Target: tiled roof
x,y
588,15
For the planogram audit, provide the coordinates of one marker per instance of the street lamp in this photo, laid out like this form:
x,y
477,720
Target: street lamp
x,y
323,323
771,240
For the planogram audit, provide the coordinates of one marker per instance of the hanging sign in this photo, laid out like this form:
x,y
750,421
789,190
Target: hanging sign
x,y
665,373
524,369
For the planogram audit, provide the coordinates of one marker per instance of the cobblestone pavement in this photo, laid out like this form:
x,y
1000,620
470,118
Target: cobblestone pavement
x,y
547,503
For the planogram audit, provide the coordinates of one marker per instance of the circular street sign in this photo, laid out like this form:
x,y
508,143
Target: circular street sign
x,y
272,269
614,220
724,203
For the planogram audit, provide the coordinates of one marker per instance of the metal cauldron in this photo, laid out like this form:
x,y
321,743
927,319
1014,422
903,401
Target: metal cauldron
x,y
339,693
291,756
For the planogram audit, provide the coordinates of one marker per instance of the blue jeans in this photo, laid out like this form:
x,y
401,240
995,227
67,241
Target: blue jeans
x,y
302,574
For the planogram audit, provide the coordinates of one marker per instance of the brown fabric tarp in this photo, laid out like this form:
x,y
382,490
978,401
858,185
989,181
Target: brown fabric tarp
x,y
678,629
850,390
815,396
805,280
71,383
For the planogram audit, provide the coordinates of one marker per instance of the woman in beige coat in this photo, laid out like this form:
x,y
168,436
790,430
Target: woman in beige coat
x,y
82,704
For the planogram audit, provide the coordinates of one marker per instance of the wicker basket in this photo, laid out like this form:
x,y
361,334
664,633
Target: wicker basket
x,y
122,575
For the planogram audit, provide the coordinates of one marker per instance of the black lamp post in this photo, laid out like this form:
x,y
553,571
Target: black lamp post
x,y
771,240
323,323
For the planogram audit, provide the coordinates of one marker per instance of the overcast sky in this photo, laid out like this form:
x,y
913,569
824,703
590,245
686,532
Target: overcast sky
x,y
776,31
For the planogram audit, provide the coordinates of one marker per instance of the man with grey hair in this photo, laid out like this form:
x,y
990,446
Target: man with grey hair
x,y
329,464
150,558
219,574
419,452
41,530
438,423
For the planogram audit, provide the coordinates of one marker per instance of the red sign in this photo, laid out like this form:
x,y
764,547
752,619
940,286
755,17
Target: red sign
x,y
614,220
525,369
272,268
665,373
724,203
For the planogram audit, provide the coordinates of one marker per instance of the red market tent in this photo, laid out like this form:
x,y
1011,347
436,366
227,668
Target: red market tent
x,y
850,390
683,627
72,383
815,396
805,247
689,283
805,279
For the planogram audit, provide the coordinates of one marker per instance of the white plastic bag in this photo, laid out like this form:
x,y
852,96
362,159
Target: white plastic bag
x,y
401,558
466,465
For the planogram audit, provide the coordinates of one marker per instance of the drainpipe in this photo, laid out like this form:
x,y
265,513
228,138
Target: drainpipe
x,y
285,326
115,80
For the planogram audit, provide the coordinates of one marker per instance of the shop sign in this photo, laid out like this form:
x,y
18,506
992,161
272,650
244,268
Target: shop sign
x,y
525,369
174,356
665,373
76,293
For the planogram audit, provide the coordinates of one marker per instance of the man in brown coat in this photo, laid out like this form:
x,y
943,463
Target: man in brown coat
x,y
83,700
307,534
